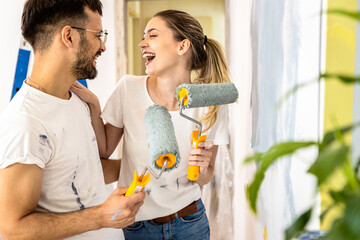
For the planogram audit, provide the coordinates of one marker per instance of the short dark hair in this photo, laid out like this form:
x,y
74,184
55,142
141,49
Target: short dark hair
x,y
42,18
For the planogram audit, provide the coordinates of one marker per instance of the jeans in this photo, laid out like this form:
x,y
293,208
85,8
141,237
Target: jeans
x,y
193,227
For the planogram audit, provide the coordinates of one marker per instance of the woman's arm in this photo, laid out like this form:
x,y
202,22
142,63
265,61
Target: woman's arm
x,y
111,170
107,135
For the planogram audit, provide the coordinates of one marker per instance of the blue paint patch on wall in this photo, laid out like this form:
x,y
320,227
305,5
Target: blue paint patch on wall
x,y
22,66
83,82
21,70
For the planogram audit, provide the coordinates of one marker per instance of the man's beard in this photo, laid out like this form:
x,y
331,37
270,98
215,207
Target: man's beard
x,y
83,67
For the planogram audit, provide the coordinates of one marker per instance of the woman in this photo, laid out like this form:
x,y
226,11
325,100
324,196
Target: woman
x,y
174,45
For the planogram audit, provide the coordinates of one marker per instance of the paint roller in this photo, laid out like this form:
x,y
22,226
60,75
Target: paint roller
x,y
203,95
163,147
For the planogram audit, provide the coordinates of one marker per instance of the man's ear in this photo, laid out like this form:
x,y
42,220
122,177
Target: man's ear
x,y
67,36
184,47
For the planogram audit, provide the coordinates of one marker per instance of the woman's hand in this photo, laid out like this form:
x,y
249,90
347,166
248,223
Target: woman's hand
x,y
201,156
84,94
204,157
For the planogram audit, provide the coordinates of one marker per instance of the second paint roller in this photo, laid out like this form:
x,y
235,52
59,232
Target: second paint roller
x,y
163,147
203,95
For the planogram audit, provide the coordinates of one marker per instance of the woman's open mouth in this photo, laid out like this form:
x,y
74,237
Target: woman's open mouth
x,y
149,57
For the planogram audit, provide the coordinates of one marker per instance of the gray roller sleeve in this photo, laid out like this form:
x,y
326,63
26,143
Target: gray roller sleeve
x,y
212,94
160,135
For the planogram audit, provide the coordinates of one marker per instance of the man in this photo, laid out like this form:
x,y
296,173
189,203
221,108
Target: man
x,y
51,178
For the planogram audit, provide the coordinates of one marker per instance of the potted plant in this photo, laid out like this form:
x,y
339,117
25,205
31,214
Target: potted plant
x,y
333,155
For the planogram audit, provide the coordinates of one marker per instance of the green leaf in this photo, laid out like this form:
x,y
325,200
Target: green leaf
x,y
255,157
326,211
330,136
357,167
347,226
293,90
282,149
268,158
340,231
298,225
339,196
348,79
352,214
253,189
328,160
350,174
339,199
351,14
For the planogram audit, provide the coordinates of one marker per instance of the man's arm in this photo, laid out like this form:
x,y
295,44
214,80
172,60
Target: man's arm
x,y
20,186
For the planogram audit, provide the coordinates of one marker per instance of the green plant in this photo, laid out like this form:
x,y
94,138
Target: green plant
x,y
333,155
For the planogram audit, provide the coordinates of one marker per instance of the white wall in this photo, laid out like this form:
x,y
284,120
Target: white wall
x,y
9,47
200,8
105,82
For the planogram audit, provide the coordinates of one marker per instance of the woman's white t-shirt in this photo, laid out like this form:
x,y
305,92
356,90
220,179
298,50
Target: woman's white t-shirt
x,y
172,191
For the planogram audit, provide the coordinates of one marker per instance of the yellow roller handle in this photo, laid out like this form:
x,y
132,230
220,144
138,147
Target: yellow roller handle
x,y
136,185
193,171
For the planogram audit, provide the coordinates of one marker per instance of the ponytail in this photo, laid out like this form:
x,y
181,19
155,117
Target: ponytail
x,y
215,70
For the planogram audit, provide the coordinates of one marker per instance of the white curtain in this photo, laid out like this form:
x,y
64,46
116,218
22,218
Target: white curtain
x,y
238,50
217,197
273,45
271,76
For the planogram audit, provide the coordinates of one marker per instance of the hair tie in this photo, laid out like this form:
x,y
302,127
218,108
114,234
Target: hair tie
x,y
205,39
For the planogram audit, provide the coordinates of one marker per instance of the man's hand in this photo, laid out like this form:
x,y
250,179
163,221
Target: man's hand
x,y
119,211
20,186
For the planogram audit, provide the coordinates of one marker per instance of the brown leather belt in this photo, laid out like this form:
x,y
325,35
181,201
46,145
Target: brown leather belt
x,y
190,209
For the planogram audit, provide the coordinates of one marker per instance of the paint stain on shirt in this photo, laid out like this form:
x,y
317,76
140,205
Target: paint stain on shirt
x,y
78,201
190,182
43,140
41,150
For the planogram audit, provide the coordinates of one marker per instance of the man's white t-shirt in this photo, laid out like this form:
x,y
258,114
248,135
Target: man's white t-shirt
x,y
172,191
57,136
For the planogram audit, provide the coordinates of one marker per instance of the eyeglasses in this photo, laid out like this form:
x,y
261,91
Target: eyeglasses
x,y
103,34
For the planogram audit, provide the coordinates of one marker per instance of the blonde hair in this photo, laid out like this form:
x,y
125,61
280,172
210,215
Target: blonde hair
x,y
207,55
